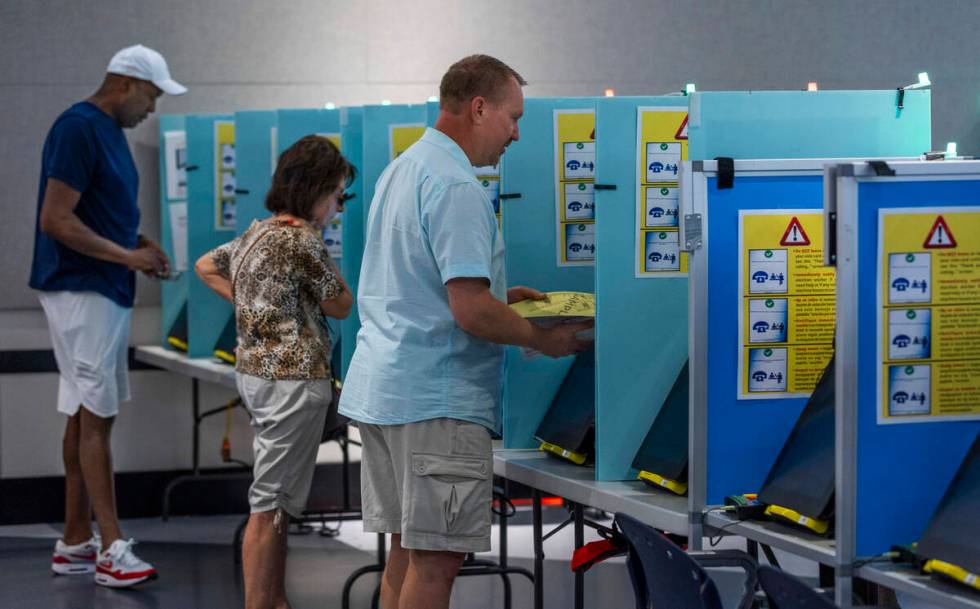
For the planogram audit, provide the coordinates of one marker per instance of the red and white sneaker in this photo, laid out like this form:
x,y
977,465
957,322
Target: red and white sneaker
x,y
76,559
118,567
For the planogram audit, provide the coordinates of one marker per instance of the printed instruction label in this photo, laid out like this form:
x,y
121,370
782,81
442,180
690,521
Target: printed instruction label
x,y
574,195
224,175
333,232
928,326
786,303
401,136
661,145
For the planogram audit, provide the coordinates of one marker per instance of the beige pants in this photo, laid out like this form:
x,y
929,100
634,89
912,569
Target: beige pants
x,y
431,481
287,418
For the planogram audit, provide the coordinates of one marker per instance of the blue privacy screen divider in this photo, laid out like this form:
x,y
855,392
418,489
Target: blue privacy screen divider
x,y
173,294
641,323
893,460
295,123
528,169
744,436
352,146
207,312
378,124
431,113
256,161
802,124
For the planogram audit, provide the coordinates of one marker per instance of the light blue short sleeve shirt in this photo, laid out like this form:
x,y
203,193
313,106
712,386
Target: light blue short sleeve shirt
x,y
429,222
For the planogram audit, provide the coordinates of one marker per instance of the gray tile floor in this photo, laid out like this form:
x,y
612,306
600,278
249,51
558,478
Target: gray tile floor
x,y
195,561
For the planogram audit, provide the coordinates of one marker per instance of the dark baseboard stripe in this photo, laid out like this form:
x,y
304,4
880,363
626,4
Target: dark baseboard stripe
x,y
25,361
140,494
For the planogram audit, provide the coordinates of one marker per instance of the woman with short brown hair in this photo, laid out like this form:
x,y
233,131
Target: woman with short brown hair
x,y
281,280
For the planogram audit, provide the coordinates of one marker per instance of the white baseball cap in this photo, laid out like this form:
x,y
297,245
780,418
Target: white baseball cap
x,y
144,63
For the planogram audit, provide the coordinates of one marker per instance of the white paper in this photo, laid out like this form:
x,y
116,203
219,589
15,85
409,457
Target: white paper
x,y
178,235
175,161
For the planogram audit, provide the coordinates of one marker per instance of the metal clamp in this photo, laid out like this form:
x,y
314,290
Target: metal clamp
x,y
693,239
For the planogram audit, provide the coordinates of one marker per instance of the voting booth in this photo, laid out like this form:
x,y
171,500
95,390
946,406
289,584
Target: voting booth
x,y
908,292
173,230
532,193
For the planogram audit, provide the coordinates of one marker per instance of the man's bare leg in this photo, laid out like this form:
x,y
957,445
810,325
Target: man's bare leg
x,y
95,457
264,561
78,510
394,575
429,579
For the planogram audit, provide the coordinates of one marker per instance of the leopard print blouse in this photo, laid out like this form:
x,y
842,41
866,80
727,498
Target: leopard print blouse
x,y
277,293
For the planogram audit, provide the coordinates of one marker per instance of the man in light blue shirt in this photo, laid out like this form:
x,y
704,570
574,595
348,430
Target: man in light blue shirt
x,y
425,379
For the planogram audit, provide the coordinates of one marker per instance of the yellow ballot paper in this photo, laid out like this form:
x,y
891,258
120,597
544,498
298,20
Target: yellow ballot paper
x,y
558,308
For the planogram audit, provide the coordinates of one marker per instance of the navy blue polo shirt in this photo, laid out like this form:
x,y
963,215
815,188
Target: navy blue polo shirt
x,y
87,150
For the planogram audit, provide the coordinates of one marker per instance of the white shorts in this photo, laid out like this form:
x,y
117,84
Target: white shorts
x,y
90,335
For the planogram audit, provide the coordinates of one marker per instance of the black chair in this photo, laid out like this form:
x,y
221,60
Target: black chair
x,y
664,576
787,592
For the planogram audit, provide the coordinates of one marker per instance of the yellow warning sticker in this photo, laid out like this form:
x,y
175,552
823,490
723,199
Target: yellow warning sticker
x,y
928,314
575,158
661,145
786,303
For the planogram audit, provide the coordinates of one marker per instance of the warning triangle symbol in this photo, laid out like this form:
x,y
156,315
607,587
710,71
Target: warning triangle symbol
x,y
682,130
939,236
795,235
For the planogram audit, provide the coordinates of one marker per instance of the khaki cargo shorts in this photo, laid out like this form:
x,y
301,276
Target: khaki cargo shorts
x,y
430,481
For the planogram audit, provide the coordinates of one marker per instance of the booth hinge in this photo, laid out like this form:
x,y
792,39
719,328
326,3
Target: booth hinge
x,y
510,195
241,191
191,168
692,232
832,238
604,187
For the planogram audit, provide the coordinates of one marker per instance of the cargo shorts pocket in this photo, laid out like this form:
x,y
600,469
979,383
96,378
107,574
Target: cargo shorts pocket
x,y
449,495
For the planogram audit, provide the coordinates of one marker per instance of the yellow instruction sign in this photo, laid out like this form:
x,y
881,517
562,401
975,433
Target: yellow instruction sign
x,y
400,137
661,145
786,303
574,179
928,327
224,175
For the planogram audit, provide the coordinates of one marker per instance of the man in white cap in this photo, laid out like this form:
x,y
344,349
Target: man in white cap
x,y
87,246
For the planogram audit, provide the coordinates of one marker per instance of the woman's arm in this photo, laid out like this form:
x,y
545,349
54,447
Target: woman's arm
x,y
208,271
340,305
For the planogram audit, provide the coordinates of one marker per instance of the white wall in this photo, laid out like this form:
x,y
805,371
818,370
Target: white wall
x,y
237,54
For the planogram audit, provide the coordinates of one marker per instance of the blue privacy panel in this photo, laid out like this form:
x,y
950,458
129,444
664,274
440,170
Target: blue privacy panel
x,y
744,436
256,162
801,124
641,324
173,294
528,169
431,113
352,146
207,312
918,460
295,123
378,121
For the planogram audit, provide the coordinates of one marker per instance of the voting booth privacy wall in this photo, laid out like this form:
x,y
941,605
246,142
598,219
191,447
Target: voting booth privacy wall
x,y
907,254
